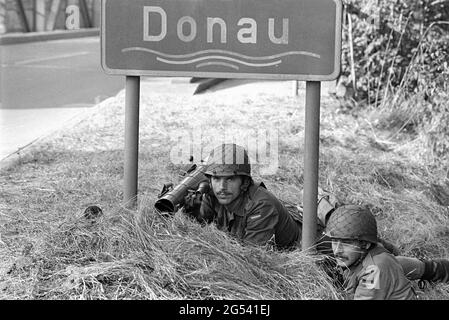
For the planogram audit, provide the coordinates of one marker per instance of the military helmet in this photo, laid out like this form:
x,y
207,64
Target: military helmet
x,y
228,160
352,222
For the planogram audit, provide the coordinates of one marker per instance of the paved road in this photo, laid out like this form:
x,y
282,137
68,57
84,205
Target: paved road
x,y
43,84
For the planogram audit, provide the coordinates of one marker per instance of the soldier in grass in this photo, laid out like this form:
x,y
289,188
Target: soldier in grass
x,y
238,205
370,271
251,213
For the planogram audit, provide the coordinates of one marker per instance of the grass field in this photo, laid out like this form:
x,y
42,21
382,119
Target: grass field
x,y
51,252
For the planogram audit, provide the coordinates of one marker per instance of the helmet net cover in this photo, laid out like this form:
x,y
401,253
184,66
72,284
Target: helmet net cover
x,y
228,160
352,222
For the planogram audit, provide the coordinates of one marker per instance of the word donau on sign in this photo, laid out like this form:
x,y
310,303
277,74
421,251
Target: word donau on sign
x,y
186,28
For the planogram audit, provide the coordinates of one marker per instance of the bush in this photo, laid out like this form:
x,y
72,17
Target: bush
x,y
424,93
387,39
435,128
400,63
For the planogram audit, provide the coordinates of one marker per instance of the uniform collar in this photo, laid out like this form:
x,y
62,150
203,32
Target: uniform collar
x,y
237,206
366,260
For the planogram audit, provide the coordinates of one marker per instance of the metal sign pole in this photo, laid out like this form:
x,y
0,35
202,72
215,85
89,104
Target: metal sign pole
x,y
132,95
311,158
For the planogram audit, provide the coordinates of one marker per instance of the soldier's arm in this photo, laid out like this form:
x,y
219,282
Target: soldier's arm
x,y
207,211
201,209
373,284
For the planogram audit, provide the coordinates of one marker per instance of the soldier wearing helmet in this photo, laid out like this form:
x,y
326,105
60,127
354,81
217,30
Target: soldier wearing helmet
x,y
245,209
369,270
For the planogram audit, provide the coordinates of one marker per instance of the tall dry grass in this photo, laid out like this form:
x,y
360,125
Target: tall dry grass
x,y
143,255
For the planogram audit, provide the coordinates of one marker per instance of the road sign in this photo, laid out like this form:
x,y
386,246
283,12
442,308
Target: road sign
x,y
256,39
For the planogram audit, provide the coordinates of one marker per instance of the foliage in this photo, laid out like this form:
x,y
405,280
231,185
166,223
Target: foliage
x,y
400,63
387,38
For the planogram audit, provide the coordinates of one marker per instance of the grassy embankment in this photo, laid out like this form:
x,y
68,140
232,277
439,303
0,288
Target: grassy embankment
x,y
50,252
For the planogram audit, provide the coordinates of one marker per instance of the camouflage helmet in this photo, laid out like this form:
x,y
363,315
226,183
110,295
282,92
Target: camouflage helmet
x,y
228,160
352,222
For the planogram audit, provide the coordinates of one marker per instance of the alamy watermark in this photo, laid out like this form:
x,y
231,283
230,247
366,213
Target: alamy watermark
x,y
72,21
262,146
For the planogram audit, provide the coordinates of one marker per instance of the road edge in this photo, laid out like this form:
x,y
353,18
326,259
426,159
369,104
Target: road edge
x,y
17,38
16,157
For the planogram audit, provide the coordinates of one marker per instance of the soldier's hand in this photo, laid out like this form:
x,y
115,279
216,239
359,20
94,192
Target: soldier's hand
x,y
192,201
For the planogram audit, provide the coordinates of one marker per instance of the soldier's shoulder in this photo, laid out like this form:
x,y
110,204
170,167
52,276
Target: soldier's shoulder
x,y
381,258
259,192
259,197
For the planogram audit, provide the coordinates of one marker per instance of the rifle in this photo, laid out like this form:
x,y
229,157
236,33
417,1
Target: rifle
x,y
172,198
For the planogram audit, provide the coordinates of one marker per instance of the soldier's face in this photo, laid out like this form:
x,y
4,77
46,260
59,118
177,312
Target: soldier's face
x,y
347,252
226,189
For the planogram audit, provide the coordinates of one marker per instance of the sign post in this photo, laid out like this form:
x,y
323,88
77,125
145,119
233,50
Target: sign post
x,y
247,39
132,95
311,161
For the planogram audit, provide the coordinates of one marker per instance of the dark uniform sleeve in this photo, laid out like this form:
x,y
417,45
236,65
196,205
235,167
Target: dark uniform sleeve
x,y
261,223
207,211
